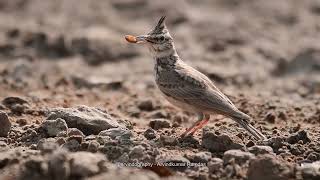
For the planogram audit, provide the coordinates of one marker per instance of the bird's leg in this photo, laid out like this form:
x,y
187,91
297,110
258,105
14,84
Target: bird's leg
x,y
201,124
200,118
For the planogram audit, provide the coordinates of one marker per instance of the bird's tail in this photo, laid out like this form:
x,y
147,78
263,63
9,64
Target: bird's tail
x,y
244,122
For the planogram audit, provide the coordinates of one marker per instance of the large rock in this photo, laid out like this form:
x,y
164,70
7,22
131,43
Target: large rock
x,y
218,143
267,167
87,119
5,124
54,127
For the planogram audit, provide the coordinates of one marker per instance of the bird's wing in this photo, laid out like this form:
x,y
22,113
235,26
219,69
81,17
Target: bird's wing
x,y
192,87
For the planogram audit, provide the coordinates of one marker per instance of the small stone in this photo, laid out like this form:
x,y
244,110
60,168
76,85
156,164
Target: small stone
x,y
150,134
239,156
5,124
22,121
93,146
260,150
218,143
146,105
159,124
54,127
168,140
267,167
115,133
71,145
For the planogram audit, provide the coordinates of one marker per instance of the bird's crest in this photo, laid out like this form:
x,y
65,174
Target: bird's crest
x,y
160,27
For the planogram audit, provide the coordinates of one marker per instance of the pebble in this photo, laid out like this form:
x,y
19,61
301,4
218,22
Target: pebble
x,y
150,134
159,124
54,127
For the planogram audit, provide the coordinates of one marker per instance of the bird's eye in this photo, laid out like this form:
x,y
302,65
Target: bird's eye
x,y
161,38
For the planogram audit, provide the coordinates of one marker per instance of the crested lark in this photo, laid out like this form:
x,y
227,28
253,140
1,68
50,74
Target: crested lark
x,y
184,86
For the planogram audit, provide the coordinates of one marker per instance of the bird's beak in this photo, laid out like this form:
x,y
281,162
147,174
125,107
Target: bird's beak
x,y
136,39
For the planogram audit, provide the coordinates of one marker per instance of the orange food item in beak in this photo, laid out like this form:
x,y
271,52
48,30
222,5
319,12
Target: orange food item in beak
x,y
131,39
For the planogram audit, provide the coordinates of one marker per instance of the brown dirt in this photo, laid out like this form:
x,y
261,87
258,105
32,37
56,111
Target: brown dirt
x,y
265,55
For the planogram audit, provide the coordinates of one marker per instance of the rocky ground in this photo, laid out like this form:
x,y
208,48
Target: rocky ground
x,y
78,102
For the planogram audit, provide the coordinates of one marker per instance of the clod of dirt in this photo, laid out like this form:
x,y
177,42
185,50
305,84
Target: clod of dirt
x,y
238,156
257,150
87,119
267,167
54,127
159,124
218,143
116,133
150,134
5,124
310,170
296,137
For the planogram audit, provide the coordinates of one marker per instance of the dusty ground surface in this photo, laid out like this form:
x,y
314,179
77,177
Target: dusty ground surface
x,y
78,102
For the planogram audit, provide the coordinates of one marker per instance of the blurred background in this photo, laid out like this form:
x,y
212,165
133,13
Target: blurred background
x,y
248,47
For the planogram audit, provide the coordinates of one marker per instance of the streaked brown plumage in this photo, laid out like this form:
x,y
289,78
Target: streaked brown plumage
x,y
187,88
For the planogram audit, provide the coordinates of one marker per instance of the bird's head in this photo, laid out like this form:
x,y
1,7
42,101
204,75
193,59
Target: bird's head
x,y
158,39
